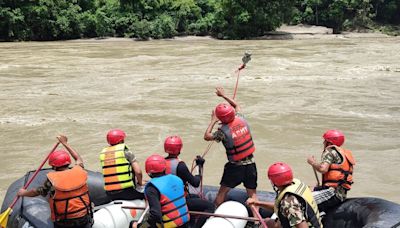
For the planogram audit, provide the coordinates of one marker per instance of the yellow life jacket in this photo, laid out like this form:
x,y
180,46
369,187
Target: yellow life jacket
x,y
300,189
117,170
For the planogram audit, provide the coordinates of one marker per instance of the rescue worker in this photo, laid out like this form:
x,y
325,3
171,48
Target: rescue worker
x,y
67,188
235,135
294,204
336,167
165,196
121,171
173,146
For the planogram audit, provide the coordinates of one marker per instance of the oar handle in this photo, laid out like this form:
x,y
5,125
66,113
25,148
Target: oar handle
x,y
255,211
237,81
34,174
252,219
204,214
146,210
316,176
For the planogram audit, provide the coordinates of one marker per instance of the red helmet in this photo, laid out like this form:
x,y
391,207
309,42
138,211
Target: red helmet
x,y
225,113
59,158
115,136
335,137
155,164
173,145
280,174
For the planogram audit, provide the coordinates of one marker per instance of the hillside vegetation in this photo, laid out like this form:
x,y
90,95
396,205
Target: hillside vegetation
x,y
223,19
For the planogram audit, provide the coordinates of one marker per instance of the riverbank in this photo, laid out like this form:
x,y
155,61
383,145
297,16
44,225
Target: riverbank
x,y
296,32
285,32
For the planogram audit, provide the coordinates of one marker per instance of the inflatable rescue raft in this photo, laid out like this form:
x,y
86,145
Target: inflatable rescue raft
x,y
35,212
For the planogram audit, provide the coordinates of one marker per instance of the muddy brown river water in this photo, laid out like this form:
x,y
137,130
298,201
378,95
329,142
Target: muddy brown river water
x,y
291,92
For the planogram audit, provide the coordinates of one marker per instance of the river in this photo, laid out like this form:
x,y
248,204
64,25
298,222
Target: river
x,y
291,92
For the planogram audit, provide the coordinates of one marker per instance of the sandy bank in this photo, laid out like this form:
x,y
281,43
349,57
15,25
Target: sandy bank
x,y
315,32
285,32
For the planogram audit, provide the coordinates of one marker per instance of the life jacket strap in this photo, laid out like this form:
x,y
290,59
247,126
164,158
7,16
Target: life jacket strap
x,y
175,209
117,182
175,218
68,198
171,201
115,165
234,147
116,174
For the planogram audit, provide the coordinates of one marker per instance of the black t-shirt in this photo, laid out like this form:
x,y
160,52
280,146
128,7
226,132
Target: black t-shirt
x,y
184,173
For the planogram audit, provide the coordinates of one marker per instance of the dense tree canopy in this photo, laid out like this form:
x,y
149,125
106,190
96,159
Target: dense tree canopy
x,y
143,19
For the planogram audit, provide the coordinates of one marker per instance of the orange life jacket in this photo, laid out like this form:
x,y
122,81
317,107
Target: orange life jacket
x,y
238,141
71,196
340,174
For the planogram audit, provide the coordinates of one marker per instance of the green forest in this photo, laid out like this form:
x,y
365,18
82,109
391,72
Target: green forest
x,y
223,19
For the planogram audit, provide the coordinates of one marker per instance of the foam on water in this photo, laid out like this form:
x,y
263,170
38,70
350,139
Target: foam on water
x,y
293,90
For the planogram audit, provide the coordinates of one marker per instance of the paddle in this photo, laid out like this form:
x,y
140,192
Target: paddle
x,y
316,177
246,58
314,169
146,210
252,219
6,213
255,211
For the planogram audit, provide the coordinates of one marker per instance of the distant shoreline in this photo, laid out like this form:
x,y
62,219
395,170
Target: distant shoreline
x,y
285,32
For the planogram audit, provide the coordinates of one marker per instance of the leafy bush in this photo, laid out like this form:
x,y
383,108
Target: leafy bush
x,y
224,19
236,19
163,27
142,29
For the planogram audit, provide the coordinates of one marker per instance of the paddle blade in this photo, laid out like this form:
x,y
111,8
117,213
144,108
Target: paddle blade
x,y
4,217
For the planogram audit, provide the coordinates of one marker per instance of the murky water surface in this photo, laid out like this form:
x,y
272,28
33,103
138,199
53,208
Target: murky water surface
x,y
291,92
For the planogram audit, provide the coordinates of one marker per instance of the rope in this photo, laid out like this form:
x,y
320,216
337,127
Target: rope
x,y
255,211
200,193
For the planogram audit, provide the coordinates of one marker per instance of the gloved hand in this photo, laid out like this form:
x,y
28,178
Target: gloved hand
x,y
199,161
140,188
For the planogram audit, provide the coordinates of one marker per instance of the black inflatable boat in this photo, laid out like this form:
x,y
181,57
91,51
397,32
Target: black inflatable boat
x,y
354,212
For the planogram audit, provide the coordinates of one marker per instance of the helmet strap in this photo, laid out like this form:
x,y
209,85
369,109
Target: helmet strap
x,y
327,143
276,190
173,155
61,168
153,175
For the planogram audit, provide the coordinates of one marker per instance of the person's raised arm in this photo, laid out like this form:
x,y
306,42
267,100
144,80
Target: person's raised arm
x,y
221,93
63,140
208,136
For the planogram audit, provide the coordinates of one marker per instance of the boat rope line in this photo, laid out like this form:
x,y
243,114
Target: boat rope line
x,y
201,170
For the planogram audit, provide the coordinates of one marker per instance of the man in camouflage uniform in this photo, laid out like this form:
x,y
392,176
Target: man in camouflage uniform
x,y
337,168
294,204
292,209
